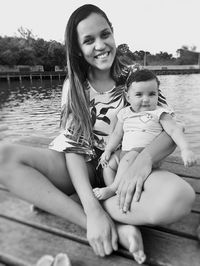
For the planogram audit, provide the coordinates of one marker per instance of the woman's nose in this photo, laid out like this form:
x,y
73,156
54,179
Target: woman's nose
x,y
99,44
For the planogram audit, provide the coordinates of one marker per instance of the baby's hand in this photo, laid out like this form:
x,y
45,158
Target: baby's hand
x,y
105,158
188,157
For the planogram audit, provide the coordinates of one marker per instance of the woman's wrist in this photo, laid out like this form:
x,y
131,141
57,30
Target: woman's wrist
x,y
145,155
92,207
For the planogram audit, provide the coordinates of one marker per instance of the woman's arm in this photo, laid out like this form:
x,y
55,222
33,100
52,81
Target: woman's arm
x,y
131,184
160,148
101,232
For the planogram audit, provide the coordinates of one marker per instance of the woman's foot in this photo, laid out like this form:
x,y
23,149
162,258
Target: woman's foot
x,y
46,260
103,193
131,239
60,260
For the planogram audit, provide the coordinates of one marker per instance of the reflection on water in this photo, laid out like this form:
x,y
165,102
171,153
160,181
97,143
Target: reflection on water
x,y
30,108
35,108
183,93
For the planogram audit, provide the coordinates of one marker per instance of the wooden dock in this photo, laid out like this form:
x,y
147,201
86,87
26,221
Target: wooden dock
x,y
60,75
20,76
26,235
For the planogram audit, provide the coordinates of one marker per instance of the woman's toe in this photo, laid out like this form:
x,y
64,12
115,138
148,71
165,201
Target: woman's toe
x,y
45,260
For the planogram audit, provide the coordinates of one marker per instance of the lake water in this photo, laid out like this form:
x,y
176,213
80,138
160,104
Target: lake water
x,y
34,108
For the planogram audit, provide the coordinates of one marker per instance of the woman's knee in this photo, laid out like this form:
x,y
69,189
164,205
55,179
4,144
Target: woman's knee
x,y
174,204
7,153
185,197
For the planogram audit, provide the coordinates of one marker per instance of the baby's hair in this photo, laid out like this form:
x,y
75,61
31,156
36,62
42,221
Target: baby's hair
x,y
141,75
145,75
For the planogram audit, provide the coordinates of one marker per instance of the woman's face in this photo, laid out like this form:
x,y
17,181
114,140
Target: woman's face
x,y
96,42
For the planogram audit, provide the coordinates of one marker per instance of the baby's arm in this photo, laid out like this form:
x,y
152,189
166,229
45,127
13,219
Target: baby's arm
x,y
176,133
113,142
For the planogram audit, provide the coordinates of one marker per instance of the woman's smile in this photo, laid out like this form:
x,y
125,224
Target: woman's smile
x,y
102,55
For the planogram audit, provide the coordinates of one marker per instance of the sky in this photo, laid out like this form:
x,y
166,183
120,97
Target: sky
x,y
148,25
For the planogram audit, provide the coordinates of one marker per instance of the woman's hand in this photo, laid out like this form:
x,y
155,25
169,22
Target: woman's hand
x,y
101,233
132,180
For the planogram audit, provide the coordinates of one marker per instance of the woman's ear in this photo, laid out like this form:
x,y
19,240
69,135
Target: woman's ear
x,y
127,96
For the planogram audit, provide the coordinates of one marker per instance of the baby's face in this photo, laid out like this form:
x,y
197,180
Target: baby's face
x,y
143,95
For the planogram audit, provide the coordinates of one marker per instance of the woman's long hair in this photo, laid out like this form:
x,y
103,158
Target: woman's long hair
x,y
77,101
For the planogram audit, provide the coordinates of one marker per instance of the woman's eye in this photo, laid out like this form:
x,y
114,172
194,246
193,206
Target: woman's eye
x,y
106,34
88,41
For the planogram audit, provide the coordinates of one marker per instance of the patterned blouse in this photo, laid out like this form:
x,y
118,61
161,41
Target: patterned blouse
x,y
104,108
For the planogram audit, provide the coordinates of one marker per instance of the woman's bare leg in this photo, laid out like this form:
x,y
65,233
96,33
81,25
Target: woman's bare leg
x,y
40,177
165,199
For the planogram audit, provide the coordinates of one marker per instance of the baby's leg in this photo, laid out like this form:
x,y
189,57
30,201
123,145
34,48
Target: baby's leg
x,y
109,173
124,163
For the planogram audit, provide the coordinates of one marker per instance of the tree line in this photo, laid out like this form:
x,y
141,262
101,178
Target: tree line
x,y
185,56
27,49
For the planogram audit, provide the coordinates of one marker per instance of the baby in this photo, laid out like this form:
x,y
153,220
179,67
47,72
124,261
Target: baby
x,y
137,125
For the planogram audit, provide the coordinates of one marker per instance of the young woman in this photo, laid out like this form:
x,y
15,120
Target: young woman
x,y
47,177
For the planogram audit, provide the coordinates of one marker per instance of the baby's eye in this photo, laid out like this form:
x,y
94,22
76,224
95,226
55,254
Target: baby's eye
x,y
138,94
152,94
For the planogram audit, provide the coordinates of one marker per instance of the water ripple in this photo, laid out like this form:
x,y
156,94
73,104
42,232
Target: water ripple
x,y
35,108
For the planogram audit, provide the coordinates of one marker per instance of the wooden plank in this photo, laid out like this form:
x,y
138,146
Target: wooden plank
x,y
29,244
21,210
195,183
23,241
167,249
196,205
161,247
187,225
12,261
171,165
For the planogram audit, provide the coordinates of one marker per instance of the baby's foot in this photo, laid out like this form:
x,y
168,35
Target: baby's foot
x,y
46,260
103,193
62,260
131,239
